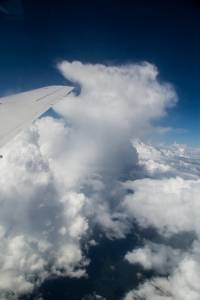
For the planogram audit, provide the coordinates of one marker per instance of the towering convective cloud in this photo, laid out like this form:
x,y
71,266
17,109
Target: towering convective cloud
x,y
64,176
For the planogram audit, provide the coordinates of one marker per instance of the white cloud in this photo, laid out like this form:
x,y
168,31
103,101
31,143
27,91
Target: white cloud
x,y
160,258
171,205
61,176
115,105
183,284
34,212
167,197
168,161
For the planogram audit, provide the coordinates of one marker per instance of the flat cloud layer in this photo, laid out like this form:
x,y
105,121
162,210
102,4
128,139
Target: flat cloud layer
x,y
59,178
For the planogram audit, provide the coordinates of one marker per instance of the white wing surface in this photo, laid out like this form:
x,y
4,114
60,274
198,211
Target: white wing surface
x,y
18,111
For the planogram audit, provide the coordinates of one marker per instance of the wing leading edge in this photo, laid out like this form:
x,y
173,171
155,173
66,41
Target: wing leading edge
x,y
18,111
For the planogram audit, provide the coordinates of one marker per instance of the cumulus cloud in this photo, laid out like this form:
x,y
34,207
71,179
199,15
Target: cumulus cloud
x,y
168,161
170,205
160,258
62,176
183,284
115,105
41,224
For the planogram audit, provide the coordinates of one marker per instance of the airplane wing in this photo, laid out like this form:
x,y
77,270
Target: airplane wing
x,y
18,111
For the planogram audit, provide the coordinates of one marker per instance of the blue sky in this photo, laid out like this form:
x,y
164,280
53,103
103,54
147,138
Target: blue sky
x,y
34,36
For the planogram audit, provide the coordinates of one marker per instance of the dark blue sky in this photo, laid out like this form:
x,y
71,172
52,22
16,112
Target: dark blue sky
x,y
35,35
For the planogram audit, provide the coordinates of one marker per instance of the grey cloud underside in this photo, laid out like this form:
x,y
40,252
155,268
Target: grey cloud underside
x,y
18,111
